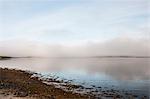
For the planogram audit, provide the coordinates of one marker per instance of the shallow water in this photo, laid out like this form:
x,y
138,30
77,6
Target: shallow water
x,y
125,74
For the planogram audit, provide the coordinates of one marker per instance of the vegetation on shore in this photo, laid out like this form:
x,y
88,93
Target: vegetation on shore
x,y
22,84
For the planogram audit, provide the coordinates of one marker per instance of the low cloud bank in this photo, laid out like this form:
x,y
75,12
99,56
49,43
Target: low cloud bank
x,y
118,46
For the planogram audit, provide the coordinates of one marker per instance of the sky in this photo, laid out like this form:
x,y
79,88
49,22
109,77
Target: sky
x,y
42,27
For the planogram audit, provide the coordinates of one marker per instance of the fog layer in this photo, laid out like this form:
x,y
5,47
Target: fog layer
x,y
118,46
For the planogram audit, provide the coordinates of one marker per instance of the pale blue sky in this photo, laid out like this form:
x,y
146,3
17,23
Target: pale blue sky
x,y
73,21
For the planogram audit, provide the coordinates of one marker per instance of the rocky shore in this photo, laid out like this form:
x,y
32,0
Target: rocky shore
x,y
18,83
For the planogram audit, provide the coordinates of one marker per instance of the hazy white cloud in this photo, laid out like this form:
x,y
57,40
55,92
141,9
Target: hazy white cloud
x,y
118,46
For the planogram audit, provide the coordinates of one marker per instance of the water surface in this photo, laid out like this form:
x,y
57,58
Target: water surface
x,y
125,74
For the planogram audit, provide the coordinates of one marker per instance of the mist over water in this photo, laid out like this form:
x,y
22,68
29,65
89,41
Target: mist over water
x,y
114,47
71,39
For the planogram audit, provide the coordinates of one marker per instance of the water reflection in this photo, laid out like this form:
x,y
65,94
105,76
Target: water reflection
x,y
117,68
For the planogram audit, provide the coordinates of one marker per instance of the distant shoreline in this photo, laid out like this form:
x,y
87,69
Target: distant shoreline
x,y
5,57
8,57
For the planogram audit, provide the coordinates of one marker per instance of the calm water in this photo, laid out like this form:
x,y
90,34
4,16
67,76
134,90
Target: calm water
x,y
131,74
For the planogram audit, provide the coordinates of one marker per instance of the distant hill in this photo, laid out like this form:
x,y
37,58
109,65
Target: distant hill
x,y
5,57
